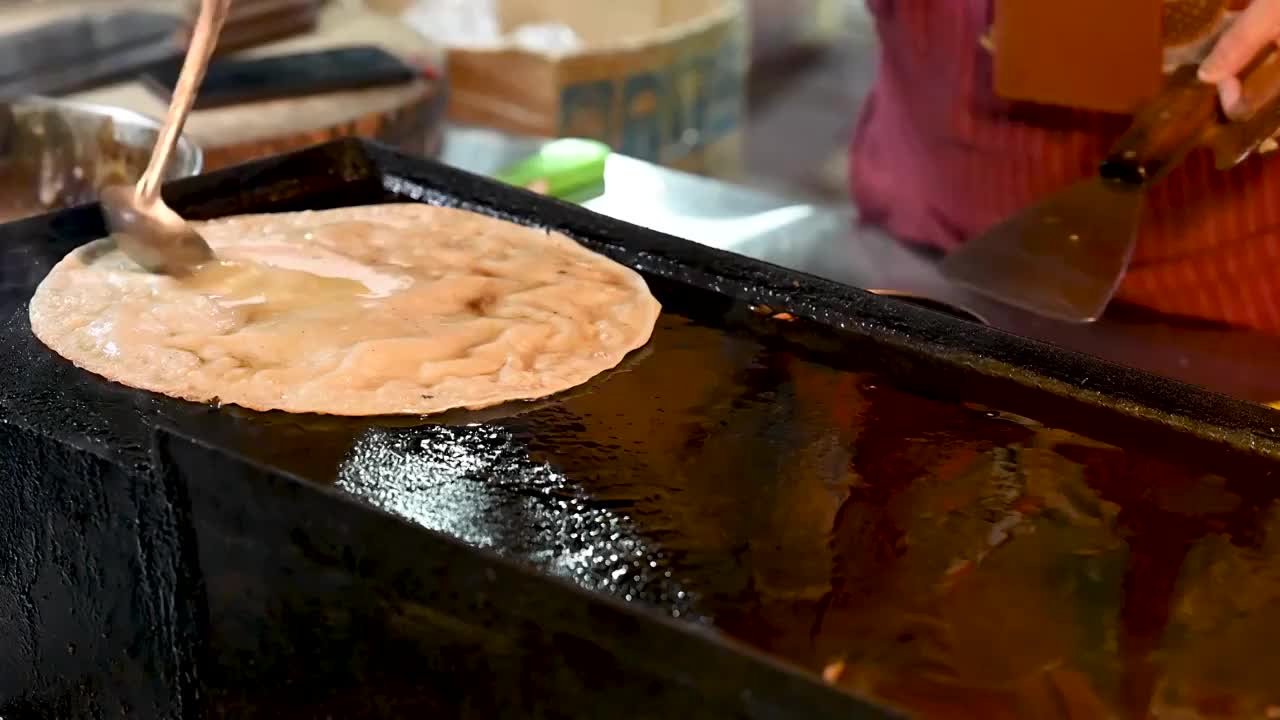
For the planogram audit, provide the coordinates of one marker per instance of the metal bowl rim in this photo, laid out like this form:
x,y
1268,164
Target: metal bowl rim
x,y
189,147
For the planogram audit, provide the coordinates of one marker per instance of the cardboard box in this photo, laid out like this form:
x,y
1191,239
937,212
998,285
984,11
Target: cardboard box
x,y
1090,54
659,80
1106,55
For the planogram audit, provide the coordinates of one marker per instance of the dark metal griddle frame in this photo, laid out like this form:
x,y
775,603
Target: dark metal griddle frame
x,y
150,572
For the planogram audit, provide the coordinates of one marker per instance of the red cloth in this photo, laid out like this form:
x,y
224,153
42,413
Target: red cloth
x,y
937,159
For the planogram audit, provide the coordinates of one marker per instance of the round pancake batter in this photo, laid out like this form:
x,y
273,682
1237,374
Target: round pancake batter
x,y
376,310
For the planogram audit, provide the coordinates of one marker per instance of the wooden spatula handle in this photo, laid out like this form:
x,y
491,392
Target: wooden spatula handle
x,y
1257,118
1259,83
1164,130
1187,113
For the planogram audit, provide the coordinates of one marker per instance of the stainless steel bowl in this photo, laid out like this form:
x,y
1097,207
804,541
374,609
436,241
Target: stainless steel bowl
x,y
58,153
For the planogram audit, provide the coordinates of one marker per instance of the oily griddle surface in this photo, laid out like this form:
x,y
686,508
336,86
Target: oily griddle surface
x,y
819,489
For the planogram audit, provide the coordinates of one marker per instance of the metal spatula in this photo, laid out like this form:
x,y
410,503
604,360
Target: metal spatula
x,y
1064,257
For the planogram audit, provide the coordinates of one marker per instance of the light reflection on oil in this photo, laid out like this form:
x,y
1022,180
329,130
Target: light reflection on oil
x,y
479,484
953,560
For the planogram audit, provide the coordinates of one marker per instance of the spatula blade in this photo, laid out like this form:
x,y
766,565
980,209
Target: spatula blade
x,y
1062,258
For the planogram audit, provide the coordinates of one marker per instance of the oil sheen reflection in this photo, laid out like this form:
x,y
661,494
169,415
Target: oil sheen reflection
x,y
946,558
1026,571
478,483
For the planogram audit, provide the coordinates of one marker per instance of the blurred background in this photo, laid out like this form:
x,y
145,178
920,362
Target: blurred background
x,y
804,88
760,92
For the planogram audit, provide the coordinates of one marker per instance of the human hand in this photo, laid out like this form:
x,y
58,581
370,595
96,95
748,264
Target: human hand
x,y
1256,27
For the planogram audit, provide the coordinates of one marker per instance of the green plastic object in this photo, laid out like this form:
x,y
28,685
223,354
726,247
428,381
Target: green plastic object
x,y
561,169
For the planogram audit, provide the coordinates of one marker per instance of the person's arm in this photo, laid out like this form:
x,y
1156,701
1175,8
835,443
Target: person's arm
x,y
1257,25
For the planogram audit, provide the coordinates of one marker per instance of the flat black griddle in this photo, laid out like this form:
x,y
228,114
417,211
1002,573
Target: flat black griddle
x,y
571,558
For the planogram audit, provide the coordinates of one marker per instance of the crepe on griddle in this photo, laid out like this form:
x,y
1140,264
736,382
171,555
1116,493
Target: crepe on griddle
x,y
376,310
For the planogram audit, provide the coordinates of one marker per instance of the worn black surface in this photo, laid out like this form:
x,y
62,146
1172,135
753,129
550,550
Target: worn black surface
x,y
682,482
305,595
87,553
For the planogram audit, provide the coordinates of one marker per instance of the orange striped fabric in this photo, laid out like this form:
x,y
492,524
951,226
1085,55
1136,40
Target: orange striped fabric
x,y
937,159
